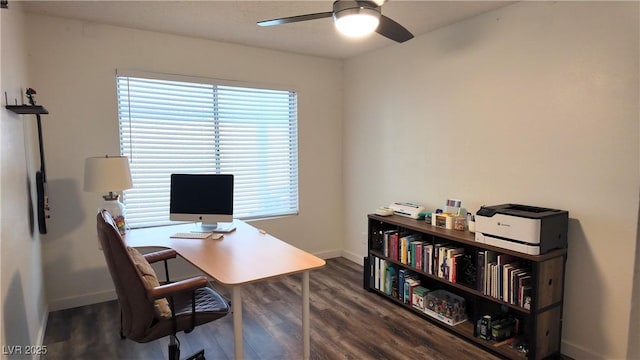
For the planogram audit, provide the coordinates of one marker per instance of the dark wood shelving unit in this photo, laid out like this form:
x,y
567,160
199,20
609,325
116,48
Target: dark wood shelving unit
x,y
541,323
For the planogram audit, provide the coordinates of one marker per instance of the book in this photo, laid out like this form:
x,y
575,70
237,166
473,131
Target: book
x,y
501,261
414,247
494,282
441,260
376,272
391,281
394,246
386,243
402,276
427,261
489,257
524,282
437,258
480,271
383,275
403,249
453,272
513,281
506,271
448,269
517,282
418,260
410,285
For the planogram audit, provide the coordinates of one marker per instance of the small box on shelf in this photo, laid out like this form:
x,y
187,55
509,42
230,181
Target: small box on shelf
x,y
419,297
446,307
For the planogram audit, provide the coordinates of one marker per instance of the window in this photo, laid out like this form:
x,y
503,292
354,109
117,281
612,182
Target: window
x,y
172,124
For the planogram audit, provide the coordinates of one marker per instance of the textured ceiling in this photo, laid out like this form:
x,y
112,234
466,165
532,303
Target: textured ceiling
x,y
235,21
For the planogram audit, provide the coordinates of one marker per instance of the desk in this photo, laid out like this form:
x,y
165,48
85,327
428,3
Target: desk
x,y
241,257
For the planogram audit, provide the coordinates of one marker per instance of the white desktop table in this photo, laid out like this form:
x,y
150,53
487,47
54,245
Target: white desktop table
x,y
241,257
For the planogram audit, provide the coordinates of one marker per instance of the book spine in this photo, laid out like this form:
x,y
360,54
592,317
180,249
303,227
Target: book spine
x,y
377,274
401,283
403,250
385,244
480,271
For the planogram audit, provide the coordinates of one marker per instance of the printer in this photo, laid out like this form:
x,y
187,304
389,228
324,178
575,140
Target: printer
x,y
522,228
407,209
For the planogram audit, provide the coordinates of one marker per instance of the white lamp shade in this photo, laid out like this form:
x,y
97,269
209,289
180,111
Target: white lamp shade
x,y
107,173
357,22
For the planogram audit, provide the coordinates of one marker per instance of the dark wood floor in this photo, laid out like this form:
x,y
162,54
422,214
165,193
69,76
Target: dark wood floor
x,y
347,322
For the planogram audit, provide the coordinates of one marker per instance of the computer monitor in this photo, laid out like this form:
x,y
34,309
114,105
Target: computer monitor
x,y
203,198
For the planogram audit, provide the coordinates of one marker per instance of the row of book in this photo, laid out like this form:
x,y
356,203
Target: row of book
x,y
397,283
440,260
498,275
398,246
505,277
405,286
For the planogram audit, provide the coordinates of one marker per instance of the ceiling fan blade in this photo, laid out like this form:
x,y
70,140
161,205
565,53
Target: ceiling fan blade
x,y
292,19
392,30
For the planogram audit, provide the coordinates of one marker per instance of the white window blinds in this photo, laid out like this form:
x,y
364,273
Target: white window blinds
x,y
169,126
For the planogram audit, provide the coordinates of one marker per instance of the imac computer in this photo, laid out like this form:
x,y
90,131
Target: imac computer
x,y
203,198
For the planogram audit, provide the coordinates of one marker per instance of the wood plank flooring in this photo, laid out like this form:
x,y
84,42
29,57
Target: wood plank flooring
x,y
347,322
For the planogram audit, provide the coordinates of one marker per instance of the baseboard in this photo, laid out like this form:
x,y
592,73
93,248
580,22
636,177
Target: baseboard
x,y
356,258
42,330
328,254
577,352
82,300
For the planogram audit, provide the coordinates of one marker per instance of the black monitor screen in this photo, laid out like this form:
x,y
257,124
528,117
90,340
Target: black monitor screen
x,y
201,197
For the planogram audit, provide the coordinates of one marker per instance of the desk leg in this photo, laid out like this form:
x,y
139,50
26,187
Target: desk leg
x,y
236,305
305,315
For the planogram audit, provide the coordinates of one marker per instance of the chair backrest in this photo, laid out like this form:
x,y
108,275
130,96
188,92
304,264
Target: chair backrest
x,y
137,309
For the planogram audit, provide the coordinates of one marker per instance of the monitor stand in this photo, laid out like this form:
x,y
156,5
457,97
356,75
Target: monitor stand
x,y
219,227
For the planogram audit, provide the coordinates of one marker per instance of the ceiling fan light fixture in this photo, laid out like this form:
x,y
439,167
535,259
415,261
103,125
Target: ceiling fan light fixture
x,y
357,22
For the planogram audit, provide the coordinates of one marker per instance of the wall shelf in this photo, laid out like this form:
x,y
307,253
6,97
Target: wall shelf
x,y
27,109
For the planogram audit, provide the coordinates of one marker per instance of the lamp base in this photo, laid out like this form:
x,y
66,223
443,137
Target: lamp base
x,y
117,211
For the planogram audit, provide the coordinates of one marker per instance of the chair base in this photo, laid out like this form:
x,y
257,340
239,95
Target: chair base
x,y
174,354
174,350
197,356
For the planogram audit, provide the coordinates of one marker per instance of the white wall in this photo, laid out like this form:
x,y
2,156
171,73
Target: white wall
x,y
73,66
23,313
535,103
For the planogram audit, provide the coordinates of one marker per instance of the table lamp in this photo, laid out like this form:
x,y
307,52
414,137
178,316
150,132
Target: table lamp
x,y
109,174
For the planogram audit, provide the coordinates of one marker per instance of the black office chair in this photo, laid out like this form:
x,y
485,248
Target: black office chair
x,y
150,310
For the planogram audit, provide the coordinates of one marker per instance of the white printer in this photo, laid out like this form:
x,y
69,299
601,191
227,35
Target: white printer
x,y
526,229
407,209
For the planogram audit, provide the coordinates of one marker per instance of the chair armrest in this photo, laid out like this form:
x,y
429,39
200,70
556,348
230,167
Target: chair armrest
x,y
166,290
160,255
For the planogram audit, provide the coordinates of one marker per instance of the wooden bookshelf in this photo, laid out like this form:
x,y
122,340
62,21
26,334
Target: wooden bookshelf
x,y
540,324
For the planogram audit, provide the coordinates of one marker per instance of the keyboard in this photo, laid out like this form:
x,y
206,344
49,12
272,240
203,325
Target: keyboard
x,y
196,235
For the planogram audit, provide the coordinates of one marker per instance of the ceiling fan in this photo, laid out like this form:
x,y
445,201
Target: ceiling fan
x,y
354,18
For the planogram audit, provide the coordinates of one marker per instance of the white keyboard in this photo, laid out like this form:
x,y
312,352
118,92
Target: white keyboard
x,y
196,235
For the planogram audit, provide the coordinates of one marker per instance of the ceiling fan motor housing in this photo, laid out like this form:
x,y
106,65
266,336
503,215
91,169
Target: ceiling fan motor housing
x,y
354,6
